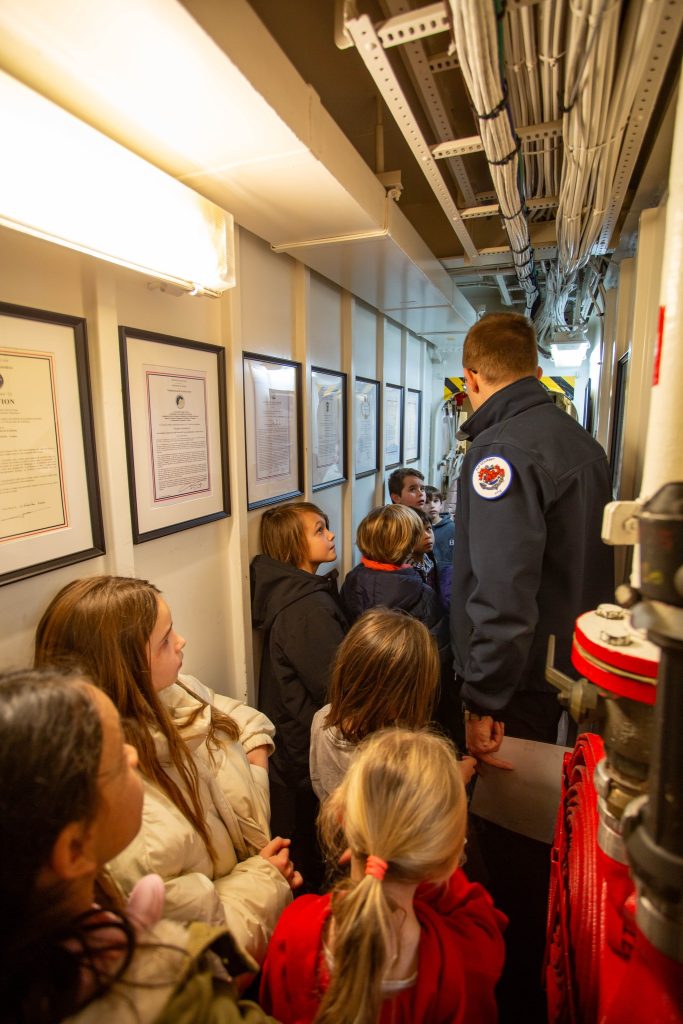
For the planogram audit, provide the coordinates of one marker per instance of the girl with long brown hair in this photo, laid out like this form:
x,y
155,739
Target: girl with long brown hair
x,y
386,673
407,939
203,759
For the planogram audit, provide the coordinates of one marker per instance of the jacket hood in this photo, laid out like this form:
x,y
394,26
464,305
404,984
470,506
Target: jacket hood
x,y
276,585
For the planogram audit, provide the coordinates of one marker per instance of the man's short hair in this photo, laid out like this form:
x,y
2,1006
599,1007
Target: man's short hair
x,y
501,347
397,478
433,492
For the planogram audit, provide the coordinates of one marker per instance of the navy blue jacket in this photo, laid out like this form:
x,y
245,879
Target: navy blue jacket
x,y
444,540
528,556
366,588
304,624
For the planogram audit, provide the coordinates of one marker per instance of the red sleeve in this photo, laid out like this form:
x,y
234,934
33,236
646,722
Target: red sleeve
x,y
289,983
466,911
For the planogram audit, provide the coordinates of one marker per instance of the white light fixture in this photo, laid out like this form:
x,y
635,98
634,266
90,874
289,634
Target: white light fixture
x,y
65,182
569,355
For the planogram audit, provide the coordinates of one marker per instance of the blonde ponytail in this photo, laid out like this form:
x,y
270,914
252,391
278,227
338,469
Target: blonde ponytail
x,y
403,801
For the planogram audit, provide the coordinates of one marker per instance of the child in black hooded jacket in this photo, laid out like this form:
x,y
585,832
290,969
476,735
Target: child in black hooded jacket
x,y
303,624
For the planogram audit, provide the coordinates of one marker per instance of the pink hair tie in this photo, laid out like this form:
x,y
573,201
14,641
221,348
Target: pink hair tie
x,y
376,867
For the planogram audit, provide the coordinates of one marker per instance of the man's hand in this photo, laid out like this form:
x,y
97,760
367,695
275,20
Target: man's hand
x,y
484,737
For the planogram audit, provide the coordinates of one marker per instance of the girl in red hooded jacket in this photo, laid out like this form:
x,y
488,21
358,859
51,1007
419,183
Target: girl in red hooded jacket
x,y
407,939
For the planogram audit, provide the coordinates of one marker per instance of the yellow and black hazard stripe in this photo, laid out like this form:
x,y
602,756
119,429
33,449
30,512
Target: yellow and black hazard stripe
x,y
561,385
452,386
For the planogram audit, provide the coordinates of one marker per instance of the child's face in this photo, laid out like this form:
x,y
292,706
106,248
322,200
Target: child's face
x,y
427,542
413,493
119,812
320,541
165,649
433,507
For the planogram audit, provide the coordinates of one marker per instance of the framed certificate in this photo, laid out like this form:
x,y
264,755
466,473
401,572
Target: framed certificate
x,y
393,425
366,426
50,513
412,439
328,427
272,420
176,433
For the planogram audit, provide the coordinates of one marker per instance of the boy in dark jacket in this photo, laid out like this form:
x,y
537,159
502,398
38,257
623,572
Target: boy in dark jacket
x,y
444,541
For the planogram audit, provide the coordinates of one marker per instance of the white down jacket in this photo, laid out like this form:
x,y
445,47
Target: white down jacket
x,y
242,890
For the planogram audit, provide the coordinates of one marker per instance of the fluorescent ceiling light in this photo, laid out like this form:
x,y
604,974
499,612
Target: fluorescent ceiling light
x,y
65,182
569,355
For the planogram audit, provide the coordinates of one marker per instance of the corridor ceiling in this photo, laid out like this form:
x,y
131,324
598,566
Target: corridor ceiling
x,y
587,88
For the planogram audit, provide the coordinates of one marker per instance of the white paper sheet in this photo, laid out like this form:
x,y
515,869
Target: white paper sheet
x,y
525,799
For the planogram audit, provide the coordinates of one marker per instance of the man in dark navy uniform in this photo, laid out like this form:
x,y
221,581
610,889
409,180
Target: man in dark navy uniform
x,y
528,560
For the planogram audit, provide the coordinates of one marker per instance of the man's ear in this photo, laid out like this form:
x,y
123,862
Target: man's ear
x,y
73,855
471,381
395,499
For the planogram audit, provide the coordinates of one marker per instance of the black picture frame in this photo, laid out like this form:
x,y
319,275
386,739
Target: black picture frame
x,y
393,393
318,373
260,493
148,356
408,458
63,356
368,387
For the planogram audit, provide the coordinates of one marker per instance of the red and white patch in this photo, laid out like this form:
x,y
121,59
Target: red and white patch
x,y
491,477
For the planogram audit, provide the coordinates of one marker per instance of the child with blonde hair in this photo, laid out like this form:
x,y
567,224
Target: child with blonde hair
x,y
302,621
386,673
406,939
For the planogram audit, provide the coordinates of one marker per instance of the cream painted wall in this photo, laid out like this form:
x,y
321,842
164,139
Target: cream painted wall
x,y
278,308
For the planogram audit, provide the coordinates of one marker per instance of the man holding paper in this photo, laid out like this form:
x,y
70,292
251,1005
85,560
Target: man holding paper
x,y
528,560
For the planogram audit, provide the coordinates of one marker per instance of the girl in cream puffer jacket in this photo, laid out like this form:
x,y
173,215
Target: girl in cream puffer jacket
x,y
203,760
241,889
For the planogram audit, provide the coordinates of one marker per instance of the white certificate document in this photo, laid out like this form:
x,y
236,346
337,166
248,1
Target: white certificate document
x,y
32,487
392,425
366,427
412,437
273,425
178,434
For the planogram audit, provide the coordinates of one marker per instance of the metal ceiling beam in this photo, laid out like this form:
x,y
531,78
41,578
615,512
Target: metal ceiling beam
x,y
408,26
371,51
443,62
503,289
473,144
490,210
414,55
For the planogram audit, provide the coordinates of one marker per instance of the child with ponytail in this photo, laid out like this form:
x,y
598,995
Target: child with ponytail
x,y
406,939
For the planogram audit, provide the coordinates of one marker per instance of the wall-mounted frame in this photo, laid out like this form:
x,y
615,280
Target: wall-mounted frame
x,y
328,427
176,433
273,429
393,425
50,513
366,426
412,439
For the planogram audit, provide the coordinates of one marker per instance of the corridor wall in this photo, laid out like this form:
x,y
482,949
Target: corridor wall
x,y
279,308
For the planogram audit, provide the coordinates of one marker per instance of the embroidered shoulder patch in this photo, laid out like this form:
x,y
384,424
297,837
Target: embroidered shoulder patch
x,y
491,477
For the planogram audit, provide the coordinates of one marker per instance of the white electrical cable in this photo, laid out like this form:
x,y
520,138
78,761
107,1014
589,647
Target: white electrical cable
x,y
476,37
